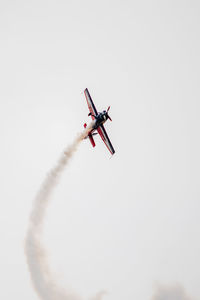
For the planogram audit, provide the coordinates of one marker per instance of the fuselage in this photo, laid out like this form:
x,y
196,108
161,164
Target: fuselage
x,y
100,119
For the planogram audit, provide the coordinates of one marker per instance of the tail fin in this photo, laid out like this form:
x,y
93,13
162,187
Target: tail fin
x,y
90,136
92,140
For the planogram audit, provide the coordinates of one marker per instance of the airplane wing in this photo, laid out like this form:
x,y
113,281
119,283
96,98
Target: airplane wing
x,y
101,130
90,103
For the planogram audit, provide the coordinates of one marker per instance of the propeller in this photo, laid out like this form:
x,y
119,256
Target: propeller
x,y
107,113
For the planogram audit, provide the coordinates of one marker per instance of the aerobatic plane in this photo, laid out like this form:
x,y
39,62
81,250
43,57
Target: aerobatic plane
x,y
99,119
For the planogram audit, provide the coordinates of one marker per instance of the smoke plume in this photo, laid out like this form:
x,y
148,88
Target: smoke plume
x,y
174,292
42,279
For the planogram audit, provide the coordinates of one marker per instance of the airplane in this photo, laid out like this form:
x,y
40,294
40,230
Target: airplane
x,y
99,120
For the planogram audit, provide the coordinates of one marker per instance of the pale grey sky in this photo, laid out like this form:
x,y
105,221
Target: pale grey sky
x,y
125,224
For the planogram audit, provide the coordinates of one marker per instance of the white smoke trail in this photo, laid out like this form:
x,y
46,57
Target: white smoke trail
x,y
42,279
174,292
99,295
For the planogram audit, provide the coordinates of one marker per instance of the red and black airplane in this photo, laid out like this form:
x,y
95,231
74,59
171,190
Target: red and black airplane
x,y
99,120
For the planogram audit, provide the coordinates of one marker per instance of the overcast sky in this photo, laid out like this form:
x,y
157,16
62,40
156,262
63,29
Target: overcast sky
x,y
125,224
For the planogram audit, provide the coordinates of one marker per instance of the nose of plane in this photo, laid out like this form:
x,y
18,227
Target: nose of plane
x,y
107,115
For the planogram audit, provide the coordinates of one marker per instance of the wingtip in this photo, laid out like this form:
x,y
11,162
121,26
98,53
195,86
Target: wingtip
x,y
112,154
